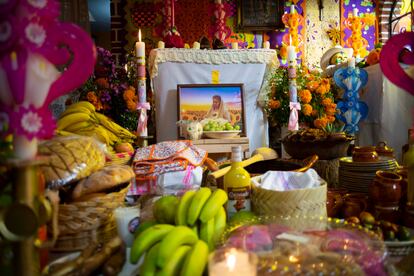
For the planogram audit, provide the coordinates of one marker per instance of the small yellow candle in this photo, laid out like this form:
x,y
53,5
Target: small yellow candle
x,y
161,45
196,45
266,45
235,45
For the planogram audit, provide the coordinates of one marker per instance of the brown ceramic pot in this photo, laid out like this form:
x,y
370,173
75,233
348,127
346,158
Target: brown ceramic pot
x,y
385,190
364,154
354,204
403,172
391,214
334,203
383,150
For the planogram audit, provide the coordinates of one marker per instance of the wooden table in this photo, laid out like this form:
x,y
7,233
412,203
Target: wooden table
x,y
223,146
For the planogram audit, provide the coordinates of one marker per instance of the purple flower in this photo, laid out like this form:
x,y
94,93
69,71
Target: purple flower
x,y
106,97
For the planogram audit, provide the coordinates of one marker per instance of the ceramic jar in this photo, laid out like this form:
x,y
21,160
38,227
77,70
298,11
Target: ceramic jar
x,y
385,190
334,202
391,214
354,204
364,154
383,150
403,172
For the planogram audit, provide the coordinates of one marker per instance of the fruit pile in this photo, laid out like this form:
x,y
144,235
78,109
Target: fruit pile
x,y
218,125
80,118
190,227
388,231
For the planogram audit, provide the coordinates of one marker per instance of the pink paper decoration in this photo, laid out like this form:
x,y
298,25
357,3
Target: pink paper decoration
x,y
394,52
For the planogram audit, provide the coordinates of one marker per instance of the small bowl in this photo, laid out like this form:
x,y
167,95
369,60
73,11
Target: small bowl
x,y
364,154
221,134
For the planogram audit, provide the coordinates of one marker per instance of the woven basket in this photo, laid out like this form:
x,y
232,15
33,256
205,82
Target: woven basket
x,y
122,158
310,202
81,223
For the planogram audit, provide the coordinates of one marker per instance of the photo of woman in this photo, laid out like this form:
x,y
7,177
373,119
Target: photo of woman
x,y
218,109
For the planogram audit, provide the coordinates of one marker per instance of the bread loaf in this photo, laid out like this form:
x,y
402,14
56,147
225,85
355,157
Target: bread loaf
x,y
70,159
107,178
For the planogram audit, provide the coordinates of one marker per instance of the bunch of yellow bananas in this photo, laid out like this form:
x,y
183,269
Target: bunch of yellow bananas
x,y
200,220
80,118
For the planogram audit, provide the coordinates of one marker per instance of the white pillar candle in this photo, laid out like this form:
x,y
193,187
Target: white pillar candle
x,y
196,45
355,12
161,45
291,51
266,45
351,62
140,46
235,45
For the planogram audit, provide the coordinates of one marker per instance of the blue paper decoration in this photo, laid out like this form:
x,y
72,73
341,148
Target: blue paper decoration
x,y
352,110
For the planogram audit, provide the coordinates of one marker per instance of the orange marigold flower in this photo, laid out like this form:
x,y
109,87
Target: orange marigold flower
x,y
307,109
283,52
314,113
320,122
369,19
98,105
326,102
274,104
312,85
129,94
102,83
91,97
330,111
305,96
131,105
330,119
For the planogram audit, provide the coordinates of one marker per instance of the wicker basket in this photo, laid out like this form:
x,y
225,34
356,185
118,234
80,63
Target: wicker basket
x,y
310,202
81,223
122,158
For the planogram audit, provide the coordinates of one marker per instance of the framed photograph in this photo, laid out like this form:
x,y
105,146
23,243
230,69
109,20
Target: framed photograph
x,y
260,15
202,102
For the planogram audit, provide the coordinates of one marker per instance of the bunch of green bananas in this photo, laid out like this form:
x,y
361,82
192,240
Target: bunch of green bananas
x,y
170,250
80,118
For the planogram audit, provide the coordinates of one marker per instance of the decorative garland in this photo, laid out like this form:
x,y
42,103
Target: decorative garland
x,y
356,41
292,21
220,13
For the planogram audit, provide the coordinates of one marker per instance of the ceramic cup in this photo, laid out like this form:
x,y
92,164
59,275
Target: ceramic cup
x,y
354,204
364,154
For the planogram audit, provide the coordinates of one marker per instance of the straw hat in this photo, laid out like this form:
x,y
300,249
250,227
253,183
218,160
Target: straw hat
x,y
325,60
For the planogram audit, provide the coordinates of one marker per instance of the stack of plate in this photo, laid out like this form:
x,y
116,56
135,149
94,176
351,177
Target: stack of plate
x,y
357,176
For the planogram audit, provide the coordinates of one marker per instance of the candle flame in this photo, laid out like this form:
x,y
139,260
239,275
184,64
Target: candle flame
x,y
290,40
231,261
139,35
13,58
126,68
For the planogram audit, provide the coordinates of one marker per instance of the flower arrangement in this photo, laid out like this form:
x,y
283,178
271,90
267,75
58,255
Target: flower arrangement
x,y
315,94
112,90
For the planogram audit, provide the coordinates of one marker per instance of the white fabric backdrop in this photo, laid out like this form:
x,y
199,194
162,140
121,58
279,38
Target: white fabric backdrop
x,y
390,112
170,74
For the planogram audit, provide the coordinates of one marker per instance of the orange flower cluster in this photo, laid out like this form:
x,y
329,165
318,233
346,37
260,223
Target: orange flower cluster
x,y
323,87
130,98
320,122
93,99
274,104
102,83
307,109
305,96
330,109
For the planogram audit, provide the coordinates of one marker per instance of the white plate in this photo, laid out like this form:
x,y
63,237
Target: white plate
x,y
221,134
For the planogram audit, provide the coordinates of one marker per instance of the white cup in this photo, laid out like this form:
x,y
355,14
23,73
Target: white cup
x,y
127,221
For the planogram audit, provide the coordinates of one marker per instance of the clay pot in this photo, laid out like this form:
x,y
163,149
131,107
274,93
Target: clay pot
x,y
385,190
391,214
364,154
334,203
383,150
403,172
354,204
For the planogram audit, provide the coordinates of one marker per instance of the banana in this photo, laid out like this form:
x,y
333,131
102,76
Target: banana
x,y
219,225
213,205
196,260
199,199
180,235
181,214
75,109
82,126
84,104
147,239
149,267
70,119
207,233
114,127
63,133
175,262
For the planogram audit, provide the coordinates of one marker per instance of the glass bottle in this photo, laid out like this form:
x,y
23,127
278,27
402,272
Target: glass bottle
x,y
237,185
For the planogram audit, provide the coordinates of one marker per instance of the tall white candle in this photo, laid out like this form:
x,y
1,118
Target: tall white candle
x,y
351,62
355,12
140,46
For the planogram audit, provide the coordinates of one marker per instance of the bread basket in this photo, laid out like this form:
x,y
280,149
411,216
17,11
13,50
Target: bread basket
x,y
81,223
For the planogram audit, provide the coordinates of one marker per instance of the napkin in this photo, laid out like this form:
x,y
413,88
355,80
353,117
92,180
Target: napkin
x,y
286,180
